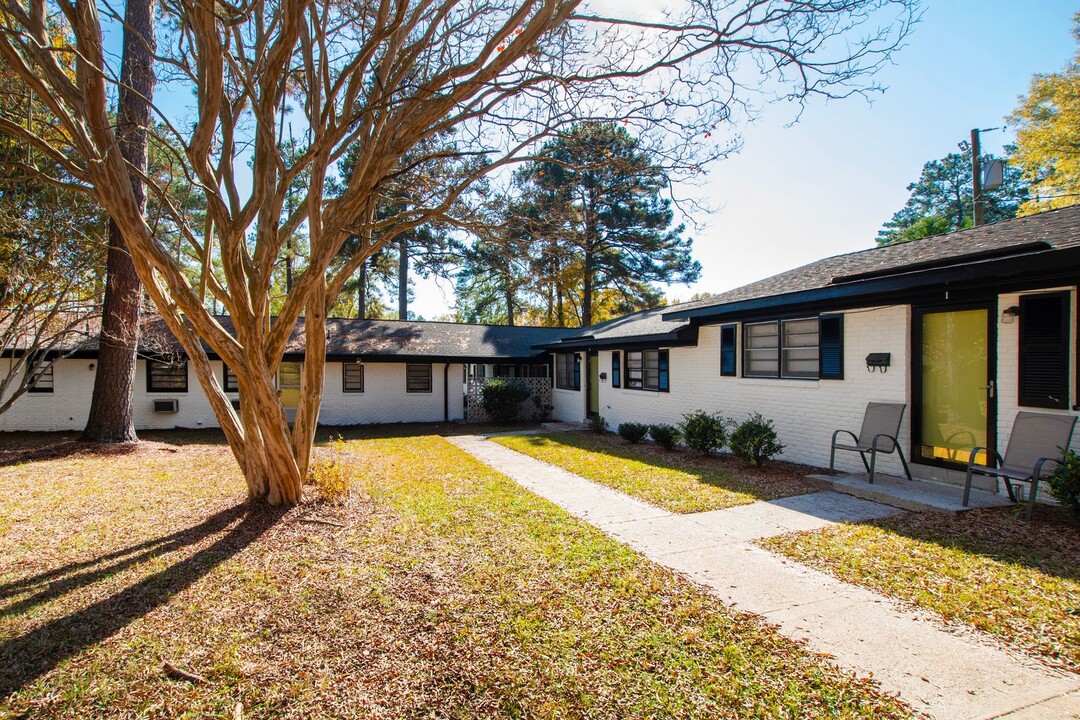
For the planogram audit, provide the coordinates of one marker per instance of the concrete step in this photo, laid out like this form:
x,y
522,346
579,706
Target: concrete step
x,y
916,495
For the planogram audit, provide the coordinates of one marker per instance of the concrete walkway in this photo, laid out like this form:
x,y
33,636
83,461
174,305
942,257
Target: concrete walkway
x,y
949,676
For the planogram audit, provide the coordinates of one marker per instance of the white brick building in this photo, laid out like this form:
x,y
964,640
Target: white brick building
x,y
964,329
976,325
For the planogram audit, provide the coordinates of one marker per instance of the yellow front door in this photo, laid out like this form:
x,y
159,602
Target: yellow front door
x,y
289,384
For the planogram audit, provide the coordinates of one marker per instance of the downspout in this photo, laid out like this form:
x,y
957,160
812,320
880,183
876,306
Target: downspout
x,y
446,392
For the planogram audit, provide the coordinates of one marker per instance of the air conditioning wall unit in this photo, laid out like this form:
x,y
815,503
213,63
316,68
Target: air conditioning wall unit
x,y
166,406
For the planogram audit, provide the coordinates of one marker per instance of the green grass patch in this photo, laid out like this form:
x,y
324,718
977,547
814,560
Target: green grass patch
x,y
447,592
1016,580
677,481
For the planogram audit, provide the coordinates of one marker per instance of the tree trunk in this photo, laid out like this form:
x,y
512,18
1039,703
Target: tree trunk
x,y
361,292
403,279
587,291
510,307
111,419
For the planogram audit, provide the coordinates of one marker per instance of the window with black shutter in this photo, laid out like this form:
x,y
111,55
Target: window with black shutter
x,y
1044,350
831,347
728,350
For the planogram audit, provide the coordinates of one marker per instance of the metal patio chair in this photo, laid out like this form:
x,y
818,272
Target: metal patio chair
x,y
1036,439
880,427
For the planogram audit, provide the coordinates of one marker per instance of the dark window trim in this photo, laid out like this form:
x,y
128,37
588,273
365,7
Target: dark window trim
x,y
408,386
573,372
663,370
345,380
1027,399
36,374
150,377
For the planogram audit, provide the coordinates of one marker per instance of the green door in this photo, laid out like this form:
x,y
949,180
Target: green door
x,y
594,384
955,389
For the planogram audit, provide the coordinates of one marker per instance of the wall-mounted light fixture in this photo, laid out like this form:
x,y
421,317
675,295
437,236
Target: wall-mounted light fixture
x,y
91,366
603,377
1009,314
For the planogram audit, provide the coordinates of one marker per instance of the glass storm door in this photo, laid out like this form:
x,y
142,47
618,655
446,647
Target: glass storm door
x,y
955,386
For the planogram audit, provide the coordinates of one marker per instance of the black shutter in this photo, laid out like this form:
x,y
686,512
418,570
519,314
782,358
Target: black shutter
x,y
664,384
1044,350
728,350
831,347
616,369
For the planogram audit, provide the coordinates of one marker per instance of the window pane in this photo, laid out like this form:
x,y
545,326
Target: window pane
x,y
164,377
761,335
634,369
352,377
761,363
231,383
652,369
801,333
801,362
41,377
289,374
418,378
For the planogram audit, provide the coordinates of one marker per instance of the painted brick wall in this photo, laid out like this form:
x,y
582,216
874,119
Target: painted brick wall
x,y
805,412
384,400
570,404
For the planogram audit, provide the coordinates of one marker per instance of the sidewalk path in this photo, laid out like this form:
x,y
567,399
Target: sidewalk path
x,y
950,676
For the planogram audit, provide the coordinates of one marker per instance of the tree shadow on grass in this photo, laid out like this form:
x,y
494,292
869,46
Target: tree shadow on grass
x,y
25,658
1049,544
25,447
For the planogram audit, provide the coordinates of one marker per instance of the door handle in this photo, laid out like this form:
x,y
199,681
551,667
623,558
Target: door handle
x,y
989,388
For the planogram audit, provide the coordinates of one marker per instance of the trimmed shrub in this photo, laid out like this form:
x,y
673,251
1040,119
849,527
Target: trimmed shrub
x,y
598,424
332,477
633,432
543,410
754,440
502,398
704,431
1065,483
666,436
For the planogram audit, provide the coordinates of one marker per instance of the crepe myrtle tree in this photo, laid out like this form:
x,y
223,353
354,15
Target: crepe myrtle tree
x,y
500,76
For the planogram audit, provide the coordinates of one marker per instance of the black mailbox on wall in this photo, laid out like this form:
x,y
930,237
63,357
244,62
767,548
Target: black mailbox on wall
x,y
876,361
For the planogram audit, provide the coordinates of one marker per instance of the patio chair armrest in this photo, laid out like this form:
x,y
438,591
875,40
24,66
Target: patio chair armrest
x,y
994,455
874,443
1039,465
853,436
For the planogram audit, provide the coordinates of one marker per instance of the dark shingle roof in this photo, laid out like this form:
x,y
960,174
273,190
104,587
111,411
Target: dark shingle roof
x,y
395,338
1051,230
644,323
374,339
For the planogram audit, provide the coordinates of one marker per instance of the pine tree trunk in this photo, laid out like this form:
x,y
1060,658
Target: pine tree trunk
x,y
361,292
111,417
587,291
403,279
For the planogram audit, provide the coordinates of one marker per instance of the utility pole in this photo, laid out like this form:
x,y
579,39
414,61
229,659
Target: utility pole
x,y
976,177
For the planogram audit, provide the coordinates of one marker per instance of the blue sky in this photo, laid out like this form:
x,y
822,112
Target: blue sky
x,y
825,185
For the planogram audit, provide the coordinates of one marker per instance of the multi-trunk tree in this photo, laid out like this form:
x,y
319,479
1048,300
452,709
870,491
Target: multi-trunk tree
x,y
499,76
